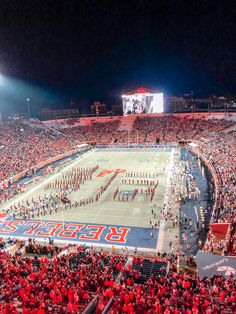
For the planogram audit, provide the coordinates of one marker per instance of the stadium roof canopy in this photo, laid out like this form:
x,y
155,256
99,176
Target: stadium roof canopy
x,y
140,90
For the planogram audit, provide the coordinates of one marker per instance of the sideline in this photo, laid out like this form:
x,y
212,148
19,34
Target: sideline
x,y
161,236
113,247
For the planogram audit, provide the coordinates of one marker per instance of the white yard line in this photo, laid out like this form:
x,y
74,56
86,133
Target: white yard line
x,y
18,199
169,173
86,214
166,198
161,236
196,212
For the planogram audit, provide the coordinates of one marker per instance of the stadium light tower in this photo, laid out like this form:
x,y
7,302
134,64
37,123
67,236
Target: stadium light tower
x,y
28,105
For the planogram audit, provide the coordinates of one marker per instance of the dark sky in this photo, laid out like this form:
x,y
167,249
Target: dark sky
x,y
85,50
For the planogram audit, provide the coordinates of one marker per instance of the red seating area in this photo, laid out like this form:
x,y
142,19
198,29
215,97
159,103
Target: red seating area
x,y
64,284
67,283
102,133
22,147
176,294
173,129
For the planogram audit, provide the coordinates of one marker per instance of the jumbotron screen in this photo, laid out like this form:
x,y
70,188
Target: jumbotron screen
x,y
142,103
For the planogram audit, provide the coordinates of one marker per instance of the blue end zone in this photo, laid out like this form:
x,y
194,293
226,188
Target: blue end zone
x,y
81,232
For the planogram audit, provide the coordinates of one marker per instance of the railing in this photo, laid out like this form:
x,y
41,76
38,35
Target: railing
x,y
108,306
212,170
91,307
214,175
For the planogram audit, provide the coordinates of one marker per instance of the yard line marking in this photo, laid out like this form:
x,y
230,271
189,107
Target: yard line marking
x,y
166,197
136,211
93,216
196,212
161,234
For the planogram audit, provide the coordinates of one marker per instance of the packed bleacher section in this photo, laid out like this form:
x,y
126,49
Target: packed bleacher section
x,y
220,150
69,281
22,147
47,249
174,129
101,133
221,153
77,133
176,293
63,284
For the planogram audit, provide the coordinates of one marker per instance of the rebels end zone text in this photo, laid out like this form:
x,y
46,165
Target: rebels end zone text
x,y
77,231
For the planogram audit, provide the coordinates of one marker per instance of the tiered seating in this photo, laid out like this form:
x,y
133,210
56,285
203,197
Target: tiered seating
x,y
149,268
63,284
69,281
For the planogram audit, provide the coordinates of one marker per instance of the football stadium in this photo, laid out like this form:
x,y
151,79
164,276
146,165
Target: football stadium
x,y
142,196
125,205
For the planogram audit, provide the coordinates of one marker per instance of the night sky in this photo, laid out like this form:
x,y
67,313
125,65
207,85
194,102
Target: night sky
x,y
56,51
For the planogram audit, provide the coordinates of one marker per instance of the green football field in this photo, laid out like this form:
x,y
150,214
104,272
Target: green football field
x,y
109,211
144,165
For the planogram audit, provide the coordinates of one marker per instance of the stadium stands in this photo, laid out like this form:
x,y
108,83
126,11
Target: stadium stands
x,y
66,283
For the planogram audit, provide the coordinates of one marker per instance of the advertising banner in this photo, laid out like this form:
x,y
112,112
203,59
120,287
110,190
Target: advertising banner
x,y
209,265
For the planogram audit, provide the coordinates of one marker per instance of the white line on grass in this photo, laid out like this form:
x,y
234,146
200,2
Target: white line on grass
x,y
103,215
166,197
161,236
195,208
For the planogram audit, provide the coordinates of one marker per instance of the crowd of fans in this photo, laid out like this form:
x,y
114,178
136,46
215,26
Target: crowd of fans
x,y
221,153
173,129
63,284
176,293
22,147
49,250
67,282
96,132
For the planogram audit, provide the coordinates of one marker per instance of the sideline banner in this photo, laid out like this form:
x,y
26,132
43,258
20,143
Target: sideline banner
x,y
209,265
220,230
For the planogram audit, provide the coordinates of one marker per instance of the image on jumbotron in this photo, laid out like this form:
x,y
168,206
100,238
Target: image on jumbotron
x,y
117,157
